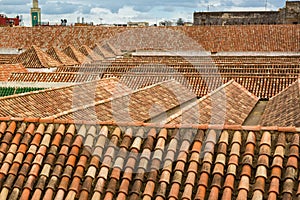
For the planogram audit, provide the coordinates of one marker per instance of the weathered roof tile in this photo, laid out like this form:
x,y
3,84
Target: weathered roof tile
x,y
34,57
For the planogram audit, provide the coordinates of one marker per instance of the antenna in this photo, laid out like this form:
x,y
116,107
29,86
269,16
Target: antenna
x,y
209,6
266,6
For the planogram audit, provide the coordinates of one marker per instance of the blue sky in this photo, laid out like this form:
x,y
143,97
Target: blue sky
x,y
122,11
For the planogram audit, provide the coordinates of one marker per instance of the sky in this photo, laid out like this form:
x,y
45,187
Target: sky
x,y
123,11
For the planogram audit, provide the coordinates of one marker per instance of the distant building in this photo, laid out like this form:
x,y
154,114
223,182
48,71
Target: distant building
x,y
84,24
35,13
137,24
119,25
166,23
5,21
290,14
112,25
187,24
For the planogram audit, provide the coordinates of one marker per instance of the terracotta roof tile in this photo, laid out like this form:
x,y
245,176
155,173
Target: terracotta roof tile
x,y
90,53
113,49
156,162
157,101
52,77
6,58
34,57
55,101
75,54
7,69
226,109
202,74
104,52
61,57
245,38
281,109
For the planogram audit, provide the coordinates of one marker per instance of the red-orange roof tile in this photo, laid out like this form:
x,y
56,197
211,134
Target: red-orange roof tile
x,y
238,38
61,57
75,54
284,108
230,104
176,178
52,77
7,69
49,102
34,57
90,53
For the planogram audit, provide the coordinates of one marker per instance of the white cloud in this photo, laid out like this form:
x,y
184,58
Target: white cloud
x,y
122,11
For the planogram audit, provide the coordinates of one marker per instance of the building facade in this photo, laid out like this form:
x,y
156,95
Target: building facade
x,y
5,21
35,13
290,14
137,24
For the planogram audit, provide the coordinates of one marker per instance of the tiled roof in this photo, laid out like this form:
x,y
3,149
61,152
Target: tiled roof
x,y
212,38
247,38
77,69
230,104
7,69
49,102
262,85
237,59
284,108
75,54
87,51
111,49
61,57
263,76
257,60
68,161
99,49
34,57
6,58
46,37
140,105
52,77
115,51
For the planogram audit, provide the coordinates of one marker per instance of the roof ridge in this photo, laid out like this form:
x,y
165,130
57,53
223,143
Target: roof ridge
x,y
52,50
244,89
158,125
63,57
105,53
32,50
76,54
109,99
57,52
44,58
91,53
116,51
190,106
287,88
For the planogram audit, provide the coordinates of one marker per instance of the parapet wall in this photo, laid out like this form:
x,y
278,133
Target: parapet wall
x,y
290,14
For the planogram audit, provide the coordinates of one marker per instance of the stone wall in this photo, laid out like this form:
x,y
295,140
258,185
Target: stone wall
x,y
290,14
237,18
